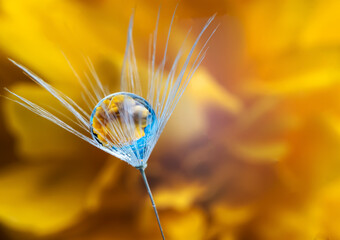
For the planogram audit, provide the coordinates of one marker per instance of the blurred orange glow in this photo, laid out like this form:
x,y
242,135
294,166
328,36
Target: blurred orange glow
x,y
252,151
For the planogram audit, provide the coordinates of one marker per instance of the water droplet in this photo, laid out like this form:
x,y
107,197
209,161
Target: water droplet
x,y
124,123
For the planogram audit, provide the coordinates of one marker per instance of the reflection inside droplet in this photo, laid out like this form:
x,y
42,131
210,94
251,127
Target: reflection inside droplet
x,y
124,122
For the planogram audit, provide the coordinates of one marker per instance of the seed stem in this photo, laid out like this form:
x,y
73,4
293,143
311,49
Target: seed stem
x,y
142,171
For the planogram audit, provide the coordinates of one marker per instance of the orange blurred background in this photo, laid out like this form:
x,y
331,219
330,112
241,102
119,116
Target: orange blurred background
x,y
252,151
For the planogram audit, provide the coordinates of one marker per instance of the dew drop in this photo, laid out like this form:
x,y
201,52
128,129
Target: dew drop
x,y
124,123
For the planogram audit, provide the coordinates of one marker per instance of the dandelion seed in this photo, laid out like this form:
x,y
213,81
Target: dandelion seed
x,y
125,124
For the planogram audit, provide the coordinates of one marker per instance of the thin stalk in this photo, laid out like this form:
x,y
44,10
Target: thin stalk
x,y
142,171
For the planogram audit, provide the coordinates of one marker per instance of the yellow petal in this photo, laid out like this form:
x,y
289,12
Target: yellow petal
x,y
37,136
190,224
37,198
206,92
179,198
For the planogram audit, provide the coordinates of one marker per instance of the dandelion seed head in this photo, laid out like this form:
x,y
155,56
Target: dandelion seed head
x,y
125,123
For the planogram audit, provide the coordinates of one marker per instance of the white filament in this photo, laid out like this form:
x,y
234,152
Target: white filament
x,y
163,94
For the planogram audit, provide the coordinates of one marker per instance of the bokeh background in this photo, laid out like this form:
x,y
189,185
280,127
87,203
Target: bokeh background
x,y
252,151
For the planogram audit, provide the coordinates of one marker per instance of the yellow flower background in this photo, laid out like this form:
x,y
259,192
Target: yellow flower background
x,y
252,151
